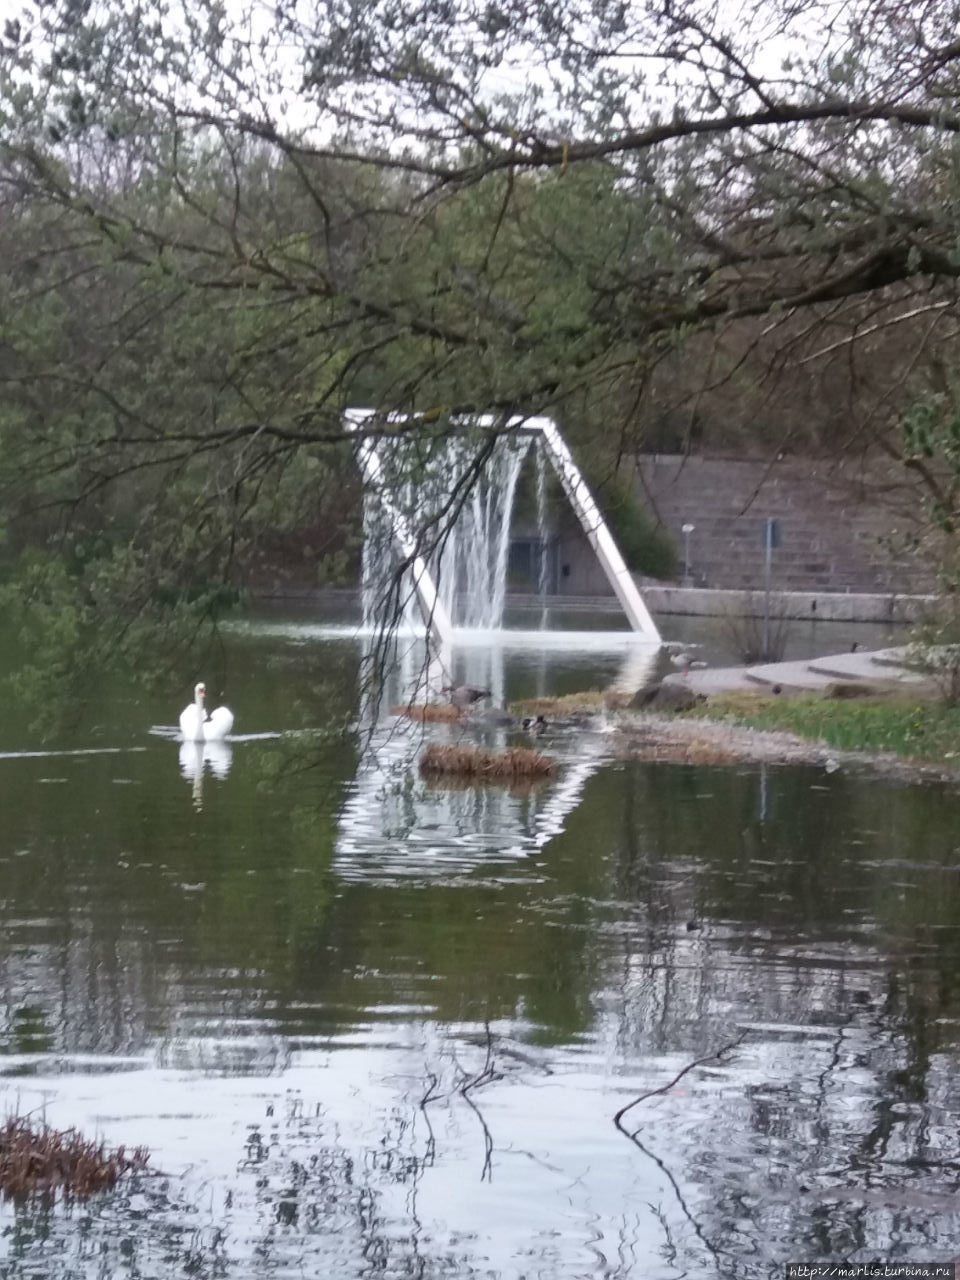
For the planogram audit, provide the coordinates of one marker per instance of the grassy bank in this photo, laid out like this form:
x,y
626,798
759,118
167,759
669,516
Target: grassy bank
x,y
920,731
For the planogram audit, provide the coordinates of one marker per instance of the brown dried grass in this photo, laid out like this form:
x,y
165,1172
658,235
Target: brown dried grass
x,y
440,712
36,1158
584,703
701,752
485,766
677,751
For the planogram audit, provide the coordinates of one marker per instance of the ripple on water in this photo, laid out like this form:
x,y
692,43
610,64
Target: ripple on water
x,y
341,1071
57,1064
393,825
225,1055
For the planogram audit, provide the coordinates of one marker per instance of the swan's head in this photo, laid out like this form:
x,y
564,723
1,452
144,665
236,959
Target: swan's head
x,y
200,691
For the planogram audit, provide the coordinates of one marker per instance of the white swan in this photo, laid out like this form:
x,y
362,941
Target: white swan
x,y
197,726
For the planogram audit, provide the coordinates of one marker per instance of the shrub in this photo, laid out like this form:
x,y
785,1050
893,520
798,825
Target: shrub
x,y
645,545
742,626
935,646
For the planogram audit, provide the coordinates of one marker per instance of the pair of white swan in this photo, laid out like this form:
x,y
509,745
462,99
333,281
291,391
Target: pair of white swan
x,y
197,726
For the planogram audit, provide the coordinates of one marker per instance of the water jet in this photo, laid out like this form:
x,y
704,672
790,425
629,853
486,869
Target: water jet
x,y
437,516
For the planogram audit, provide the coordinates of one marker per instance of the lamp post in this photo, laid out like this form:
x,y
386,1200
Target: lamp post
x,y
771,539
686,530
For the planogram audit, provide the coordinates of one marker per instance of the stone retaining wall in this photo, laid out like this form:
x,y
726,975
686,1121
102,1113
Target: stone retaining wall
x,y
840,525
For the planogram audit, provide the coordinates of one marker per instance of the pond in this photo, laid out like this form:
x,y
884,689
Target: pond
x,y
371,1027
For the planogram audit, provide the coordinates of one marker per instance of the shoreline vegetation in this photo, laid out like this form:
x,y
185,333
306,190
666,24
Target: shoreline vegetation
x,y
38,1159
921,730
907,736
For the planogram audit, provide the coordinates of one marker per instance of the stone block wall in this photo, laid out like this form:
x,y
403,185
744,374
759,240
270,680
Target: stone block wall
x,y
839,524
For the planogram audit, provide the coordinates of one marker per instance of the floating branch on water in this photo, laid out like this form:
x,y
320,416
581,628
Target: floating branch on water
x,y
35,1158
441,712
485,766
665,1088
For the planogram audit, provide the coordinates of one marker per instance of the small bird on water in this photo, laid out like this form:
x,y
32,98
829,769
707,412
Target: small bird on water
x,y
464,695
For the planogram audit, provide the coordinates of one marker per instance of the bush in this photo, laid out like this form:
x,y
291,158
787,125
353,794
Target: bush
x,y
935,645
741,625
646,547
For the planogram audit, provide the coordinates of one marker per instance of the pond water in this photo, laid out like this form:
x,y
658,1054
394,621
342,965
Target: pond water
x,y
371,1027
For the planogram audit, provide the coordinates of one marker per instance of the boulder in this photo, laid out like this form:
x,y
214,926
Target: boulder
x,y
666,696
849,689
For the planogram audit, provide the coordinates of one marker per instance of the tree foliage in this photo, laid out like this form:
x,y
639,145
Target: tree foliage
x,y
223,225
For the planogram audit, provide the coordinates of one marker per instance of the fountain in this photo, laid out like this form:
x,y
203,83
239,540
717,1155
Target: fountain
x,y
472,565
438,507
437,514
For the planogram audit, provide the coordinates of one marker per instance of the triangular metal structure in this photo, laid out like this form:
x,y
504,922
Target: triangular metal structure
x,y
574,486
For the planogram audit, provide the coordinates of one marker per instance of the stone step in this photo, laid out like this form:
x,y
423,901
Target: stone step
x,y
788,675
805,676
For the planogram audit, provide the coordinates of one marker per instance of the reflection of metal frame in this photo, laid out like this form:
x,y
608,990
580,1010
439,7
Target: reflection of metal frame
x,y
574,486
392,825
422,827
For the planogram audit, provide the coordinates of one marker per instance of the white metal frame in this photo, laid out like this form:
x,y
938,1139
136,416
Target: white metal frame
x,y
574,486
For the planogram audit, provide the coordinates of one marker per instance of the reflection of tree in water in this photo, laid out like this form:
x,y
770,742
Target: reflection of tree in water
x,y
319,1202
146,1229
126,923
785,1167
835,1127
302,1198
673,910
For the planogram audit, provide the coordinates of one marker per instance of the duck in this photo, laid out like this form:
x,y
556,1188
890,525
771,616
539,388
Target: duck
x,y
687,662
464,695
196,725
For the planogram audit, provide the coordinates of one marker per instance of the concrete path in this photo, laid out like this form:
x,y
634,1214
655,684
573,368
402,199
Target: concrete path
x,y
882,668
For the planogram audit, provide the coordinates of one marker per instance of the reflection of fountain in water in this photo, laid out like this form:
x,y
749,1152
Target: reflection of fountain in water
x,y
394,824
195,757
398,669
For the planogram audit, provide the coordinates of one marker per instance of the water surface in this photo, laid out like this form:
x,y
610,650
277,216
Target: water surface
x,y
368,1026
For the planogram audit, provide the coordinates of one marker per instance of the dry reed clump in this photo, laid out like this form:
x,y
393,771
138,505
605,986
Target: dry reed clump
x,y
423,713
36,1158
585,702
698,751
516,763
